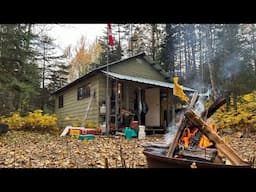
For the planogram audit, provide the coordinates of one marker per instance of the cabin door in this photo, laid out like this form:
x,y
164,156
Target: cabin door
x,y
152,97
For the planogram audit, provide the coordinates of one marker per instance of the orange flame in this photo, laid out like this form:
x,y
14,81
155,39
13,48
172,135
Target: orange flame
x,y
189,133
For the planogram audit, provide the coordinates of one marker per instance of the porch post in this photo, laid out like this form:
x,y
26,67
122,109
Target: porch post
x,y
139,103
107,96
168,107
116,104
173,110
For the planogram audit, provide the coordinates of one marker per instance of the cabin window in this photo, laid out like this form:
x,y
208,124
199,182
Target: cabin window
x,y
83,92
60,101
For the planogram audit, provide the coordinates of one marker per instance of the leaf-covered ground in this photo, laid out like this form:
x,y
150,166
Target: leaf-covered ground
x,y
19,149
245,147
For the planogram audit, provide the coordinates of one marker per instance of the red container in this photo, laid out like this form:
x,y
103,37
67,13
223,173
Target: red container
x,y
135,124
89,131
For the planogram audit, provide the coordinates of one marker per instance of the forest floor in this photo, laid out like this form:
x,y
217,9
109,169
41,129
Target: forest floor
x,y
20,149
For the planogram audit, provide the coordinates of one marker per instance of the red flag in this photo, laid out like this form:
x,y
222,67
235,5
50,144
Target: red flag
x,y
110,37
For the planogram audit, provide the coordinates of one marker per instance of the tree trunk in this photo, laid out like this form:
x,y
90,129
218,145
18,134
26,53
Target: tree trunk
x,y
153,50
201,72
185,53
210,64
235,100
253,48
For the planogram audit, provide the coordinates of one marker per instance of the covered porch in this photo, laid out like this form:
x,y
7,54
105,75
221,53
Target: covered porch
x,y
137,101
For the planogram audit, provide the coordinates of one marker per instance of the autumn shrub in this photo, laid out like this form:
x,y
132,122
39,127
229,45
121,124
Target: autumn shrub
x,y
37,120
242,118
33,121
76,123
15,121
91,125
79,123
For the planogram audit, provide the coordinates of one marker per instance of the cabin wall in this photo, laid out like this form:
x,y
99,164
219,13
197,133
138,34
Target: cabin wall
x,y
137,68
74,110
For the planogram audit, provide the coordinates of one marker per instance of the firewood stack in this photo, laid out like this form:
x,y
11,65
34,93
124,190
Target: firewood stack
x,y
218,152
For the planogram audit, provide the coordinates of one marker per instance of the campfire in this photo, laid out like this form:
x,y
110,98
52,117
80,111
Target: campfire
x,y
189,134
197,138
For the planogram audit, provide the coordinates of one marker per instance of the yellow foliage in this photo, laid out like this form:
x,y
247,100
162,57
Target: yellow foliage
x,y
15,121
91,125
244,117
34,120
67,118
249,97
85,54
76,124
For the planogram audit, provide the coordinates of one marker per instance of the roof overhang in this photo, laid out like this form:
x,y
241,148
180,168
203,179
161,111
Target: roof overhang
x,y
144,81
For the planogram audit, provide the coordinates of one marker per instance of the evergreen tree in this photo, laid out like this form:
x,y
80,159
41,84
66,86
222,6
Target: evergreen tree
x,y
109,53
18,83
167,54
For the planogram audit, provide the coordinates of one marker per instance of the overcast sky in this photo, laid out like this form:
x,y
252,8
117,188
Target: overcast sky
x,y
66,34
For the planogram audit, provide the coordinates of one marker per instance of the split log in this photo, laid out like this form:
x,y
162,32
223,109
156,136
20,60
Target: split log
x,y
205,115
230,154
208,154
213,108
181,128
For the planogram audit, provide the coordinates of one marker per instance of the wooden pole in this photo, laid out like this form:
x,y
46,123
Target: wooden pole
x,y
107,96
116,105
168,107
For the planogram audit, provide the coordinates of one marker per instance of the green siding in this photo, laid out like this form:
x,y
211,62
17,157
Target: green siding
x,y
75,109
137,68
103,86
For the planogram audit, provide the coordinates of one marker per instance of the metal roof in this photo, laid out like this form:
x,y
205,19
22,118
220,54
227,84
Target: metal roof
x,y
142,55
144,80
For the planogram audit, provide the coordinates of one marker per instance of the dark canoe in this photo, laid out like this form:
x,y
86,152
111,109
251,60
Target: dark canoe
x,y
159,161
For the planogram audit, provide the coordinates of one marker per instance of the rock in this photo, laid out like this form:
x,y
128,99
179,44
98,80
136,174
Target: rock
x,y
3,128
226,131
238,134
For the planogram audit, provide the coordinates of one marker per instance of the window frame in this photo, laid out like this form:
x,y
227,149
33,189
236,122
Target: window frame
x,y
83,92
61,101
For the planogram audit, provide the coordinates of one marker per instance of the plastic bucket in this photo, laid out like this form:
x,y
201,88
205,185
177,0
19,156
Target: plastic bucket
x,y
129,133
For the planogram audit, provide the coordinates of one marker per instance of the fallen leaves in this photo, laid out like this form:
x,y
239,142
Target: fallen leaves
x,y
245,147
19,149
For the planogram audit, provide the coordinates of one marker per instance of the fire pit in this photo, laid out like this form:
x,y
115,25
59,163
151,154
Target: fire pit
x,y
196,144
159,161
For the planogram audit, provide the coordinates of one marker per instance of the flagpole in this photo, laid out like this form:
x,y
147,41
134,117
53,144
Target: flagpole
x,y
110,43
107,100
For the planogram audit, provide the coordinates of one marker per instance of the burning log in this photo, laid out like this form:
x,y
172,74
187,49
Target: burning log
x,y
181,128
207,154
205,115
230,154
